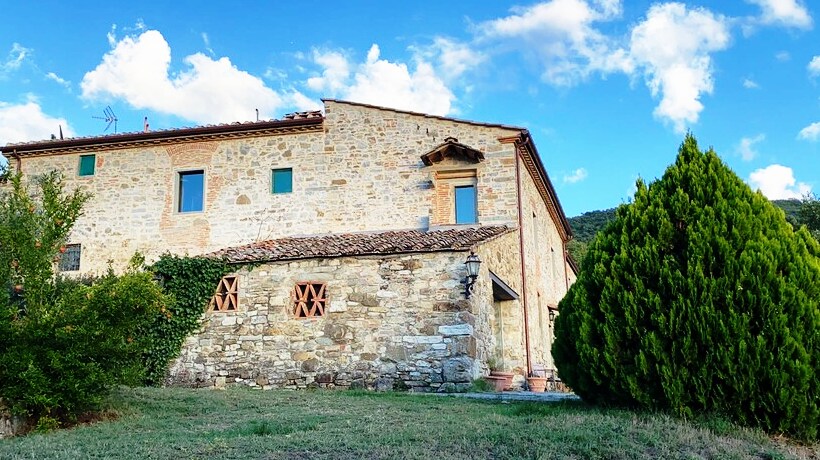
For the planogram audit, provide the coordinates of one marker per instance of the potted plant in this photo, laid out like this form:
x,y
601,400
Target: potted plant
x,y
536,383
496,365
498,383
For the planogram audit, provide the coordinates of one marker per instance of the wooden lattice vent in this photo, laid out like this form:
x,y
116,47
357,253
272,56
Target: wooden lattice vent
x,y
309,299
226,297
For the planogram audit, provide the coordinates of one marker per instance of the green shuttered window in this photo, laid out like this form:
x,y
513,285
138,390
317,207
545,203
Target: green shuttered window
x,y
87,165
282,180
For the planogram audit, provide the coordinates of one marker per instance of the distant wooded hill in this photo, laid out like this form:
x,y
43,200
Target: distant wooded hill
x,y
588,224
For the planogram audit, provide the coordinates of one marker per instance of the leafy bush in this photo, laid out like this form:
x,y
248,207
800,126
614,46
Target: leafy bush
x,y
62,358
698,298
63,342
190,282
34,225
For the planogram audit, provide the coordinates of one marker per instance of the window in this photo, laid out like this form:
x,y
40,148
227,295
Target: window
x,y
466,212
70,258
309,299
226,297
282,180
87,163
191,188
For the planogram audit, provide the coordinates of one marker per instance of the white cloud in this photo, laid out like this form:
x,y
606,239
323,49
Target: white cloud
x,y
810,132
27,122
746,147
562,35
381,82
748,83
137,70
207,41
814,66
783,56
15,58
57,79
777,182
789,13
673,45
577,176
453,59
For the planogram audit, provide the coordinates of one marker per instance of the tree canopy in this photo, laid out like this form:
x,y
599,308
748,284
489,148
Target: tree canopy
x,y
698,297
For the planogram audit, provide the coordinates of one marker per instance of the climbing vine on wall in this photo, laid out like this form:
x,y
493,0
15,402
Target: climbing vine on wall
x,y
190,283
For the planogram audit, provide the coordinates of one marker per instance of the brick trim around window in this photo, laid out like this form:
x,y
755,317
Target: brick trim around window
x,y
309,299
226,297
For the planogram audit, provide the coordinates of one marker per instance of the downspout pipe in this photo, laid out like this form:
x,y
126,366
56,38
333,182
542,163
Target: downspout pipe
x,y
518,147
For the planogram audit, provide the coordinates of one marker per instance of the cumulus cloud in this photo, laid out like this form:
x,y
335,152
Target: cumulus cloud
x,y
27,122
746,147
777,182
671,48
674,46
577,176
562,34
452,58
138,71
381,82
814,66
788,13
810,132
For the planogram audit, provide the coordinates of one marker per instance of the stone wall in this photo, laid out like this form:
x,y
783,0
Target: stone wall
x,y
548,277
399,320
500,324
10,425
363,172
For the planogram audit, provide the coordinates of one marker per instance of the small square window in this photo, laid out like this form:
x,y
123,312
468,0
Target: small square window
x,y
309,299
191,191
87,163
466,212
70,258
282,180
226,297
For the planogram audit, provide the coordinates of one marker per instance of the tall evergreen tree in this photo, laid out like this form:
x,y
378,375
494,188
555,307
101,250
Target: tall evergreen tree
x,y
699,297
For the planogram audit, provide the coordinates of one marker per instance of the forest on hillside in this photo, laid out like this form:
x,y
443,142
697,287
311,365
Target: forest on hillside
x,y
587,225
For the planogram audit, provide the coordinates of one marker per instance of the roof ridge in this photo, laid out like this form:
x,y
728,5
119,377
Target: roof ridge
x,y
426,115
350,244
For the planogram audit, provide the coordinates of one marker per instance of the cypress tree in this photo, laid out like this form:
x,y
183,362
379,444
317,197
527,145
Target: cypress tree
x,y
698,298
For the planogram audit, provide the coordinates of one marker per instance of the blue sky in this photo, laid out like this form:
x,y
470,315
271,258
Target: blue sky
x,y
607,88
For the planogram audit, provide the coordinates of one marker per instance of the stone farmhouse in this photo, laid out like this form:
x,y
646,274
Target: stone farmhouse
x,y
349,232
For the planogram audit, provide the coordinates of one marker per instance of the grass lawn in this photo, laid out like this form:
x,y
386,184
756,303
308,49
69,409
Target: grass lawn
x,y
240,423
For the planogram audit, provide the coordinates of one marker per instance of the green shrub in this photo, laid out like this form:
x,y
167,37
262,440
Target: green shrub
x,y
190,282
698,298
62,358
63,342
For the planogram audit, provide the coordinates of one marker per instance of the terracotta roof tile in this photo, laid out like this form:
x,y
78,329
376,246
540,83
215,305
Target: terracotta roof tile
x,y
183,129
357,244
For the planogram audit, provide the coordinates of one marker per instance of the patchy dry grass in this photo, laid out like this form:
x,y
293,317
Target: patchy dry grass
x,y
240,424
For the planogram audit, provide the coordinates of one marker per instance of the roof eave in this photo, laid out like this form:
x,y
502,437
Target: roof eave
x,y
182,133
542,171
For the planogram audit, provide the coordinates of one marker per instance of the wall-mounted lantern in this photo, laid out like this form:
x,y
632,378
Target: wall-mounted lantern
x,y
552,315
472,264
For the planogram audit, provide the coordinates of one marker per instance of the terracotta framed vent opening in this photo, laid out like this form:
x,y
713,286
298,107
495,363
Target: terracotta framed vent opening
x,y
226,297
309,299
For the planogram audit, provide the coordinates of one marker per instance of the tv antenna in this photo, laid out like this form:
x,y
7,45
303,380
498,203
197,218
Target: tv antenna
x,y
109,118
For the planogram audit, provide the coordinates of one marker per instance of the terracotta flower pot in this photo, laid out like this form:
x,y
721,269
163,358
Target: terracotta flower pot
x,y
508,376
537,384
497,382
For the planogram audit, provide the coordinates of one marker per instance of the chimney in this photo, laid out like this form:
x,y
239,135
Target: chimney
x,y
145,127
